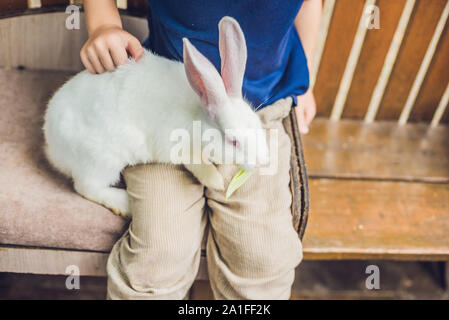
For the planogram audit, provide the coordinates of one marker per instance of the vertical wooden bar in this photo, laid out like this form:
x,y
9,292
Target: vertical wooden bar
x,y
33,4
424,66
411,54
435,83
389,62
442,106
342,30
328,10
348,75
122,4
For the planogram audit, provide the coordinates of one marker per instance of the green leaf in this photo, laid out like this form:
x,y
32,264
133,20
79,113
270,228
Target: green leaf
x,y
236,182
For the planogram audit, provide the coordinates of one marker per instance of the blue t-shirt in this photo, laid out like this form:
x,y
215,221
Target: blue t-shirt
x,y
276,66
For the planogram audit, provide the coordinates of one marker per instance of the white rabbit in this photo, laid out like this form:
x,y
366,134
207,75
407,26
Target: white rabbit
x,y
96,125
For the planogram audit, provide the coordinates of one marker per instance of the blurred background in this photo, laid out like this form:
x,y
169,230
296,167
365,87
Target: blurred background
x,y
377,155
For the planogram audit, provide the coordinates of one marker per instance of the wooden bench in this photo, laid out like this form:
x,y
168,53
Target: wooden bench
x,y
377,154
379,191
378,158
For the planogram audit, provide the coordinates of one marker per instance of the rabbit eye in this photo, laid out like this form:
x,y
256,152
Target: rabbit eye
x,y
233,142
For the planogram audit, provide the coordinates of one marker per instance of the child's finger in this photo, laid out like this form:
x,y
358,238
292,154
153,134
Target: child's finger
x,y
303,128
119,55
105,58
309,114
93,58
135,48
86,62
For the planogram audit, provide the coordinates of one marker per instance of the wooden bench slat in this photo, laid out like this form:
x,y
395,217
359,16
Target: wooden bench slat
x,y
356,219
381,150
138,7
55,2
36,260
9,5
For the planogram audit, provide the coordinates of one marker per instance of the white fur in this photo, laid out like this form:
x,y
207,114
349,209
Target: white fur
x,y
96,125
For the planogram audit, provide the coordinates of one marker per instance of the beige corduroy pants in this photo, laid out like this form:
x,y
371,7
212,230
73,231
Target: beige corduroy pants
x,y
252,247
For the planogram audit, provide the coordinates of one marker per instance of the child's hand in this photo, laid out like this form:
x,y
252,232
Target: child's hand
x,y
108,48
305,111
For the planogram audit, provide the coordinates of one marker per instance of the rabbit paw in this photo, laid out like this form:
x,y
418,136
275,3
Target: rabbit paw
x,y
120,212
114,199
118,202
207,175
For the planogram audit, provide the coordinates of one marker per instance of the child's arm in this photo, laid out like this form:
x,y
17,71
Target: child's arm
x,y
108,44
307,23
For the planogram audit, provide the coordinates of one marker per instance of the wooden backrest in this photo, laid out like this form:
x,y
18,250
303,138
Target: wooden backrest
x,y
398,72
16,7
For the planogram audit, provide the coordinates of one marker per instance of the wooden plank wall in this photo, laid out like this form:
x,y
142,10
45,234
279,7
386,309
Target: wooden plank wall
x,y
401,69
423,22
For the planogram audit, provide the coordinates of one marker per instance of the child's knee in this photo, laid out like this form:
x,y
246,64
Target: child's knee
x,y
261,259
162,271
160,265
275,260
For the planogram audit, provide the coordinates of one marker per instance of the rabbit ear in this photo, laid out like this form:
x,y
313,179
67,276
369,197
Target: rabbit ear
x,y
233,54
204,78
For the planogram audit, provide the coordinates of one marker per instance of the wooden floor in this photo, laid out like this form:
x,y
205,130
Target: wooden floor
x,y
314,280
